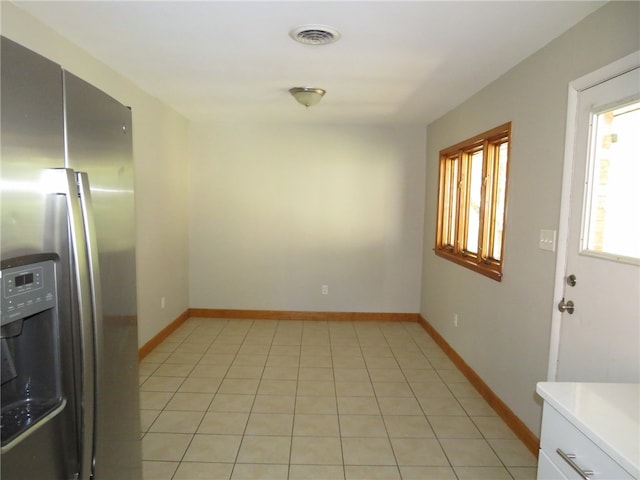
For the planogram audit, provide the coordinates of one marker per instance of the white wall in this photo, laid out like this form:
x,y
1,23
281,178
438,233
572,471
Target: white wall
x,y
279,210
160,150
503,331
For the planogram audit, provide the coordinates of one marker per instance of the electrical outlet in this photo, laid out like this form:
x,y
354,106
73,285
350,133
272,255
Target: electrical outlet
x,y
455,319
162,302
325,289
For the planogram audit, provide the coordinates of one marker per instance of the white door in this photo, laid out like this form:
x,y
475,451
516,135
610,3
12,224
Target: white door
x,y
600,324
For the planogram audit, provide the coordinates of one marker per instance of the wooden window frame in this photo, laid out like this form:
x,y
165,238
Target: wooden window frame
x,y
454,189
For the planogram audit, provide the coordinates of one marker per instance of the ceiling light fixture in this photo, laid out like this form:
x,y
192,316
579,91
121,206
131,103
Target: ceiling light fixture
x,y
307,96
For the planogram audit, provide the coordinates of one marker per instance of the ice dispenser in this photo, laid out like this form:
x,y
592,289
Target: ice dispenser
x,y
29,345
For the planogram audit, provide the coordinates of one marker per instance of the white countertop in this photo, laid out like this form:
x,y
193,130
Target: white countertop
x,y
607,413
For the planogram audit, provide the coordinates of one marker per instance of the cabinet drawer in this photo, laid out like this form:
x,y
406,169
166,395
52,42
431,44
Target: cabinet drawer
x,y
558,432
547,470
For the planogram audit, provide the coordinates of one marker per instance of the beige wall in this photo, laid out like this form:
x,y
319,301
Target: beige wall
x,y
279,210
160,152
503,330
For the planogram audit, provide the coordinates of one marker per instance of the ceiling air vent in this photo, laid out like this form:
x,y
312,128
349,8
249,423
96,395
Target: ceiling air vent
x,y
315,34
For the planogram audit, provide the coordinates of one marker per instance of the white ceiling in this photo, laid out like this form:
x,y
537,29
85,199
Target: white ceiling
x,y
402,62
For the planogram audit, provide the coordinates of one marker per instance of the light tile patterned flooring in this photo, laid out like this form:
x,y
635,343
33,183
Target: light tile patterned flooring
x,y
262,399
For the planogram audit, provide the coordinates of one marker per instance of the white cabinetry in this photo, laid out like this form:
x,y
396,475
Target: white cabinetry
x,y
589,431
547,469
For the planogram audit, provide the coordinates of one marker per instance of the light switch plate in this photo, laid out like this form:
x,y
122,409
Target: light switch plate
x,y
547,240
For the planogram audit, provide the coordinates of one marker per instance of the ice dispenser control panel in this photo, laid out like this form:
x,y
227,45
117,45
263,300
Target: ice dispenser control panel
x,y
27,290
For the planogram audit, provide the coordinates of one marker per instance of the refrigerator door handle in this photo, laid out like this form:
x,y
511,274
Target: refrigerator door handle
x,y
86,206
62,181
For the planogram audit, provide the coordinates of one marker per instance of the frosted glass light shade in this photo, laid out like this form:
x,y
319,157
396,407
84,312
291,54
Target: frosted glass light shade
x,y
307,96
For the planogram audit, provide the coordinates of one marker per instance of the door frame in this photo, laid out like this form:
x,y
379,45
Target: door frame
x,y
577,86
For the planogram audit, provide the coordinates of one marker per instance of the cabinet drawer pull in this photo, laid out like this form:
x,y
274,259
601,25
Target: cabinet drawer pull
x,y
569,457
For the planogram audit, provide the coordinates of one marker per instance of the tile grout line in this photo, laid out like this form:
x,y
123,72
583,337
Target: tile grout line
x,y
335,392
193,436
295,400
335,343
375,394
436,437
253,403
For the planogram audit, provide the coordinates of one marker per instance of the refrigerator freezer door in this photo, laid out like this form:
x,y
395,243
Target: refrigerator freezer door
x,y
32,141
35,222
99,143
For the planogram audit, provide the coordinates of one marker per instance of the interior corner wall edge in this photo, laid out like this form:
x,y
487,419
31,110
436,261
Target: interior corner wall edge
x,y
503,328
160,145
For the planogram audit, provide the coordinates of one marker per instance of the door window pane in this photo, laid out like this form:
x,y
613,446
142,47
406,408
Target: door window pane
x,y
612,222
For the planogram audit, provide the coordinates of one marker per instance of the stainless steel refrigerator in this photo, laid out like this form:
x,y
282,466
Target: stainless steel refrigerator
x,y
68,338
